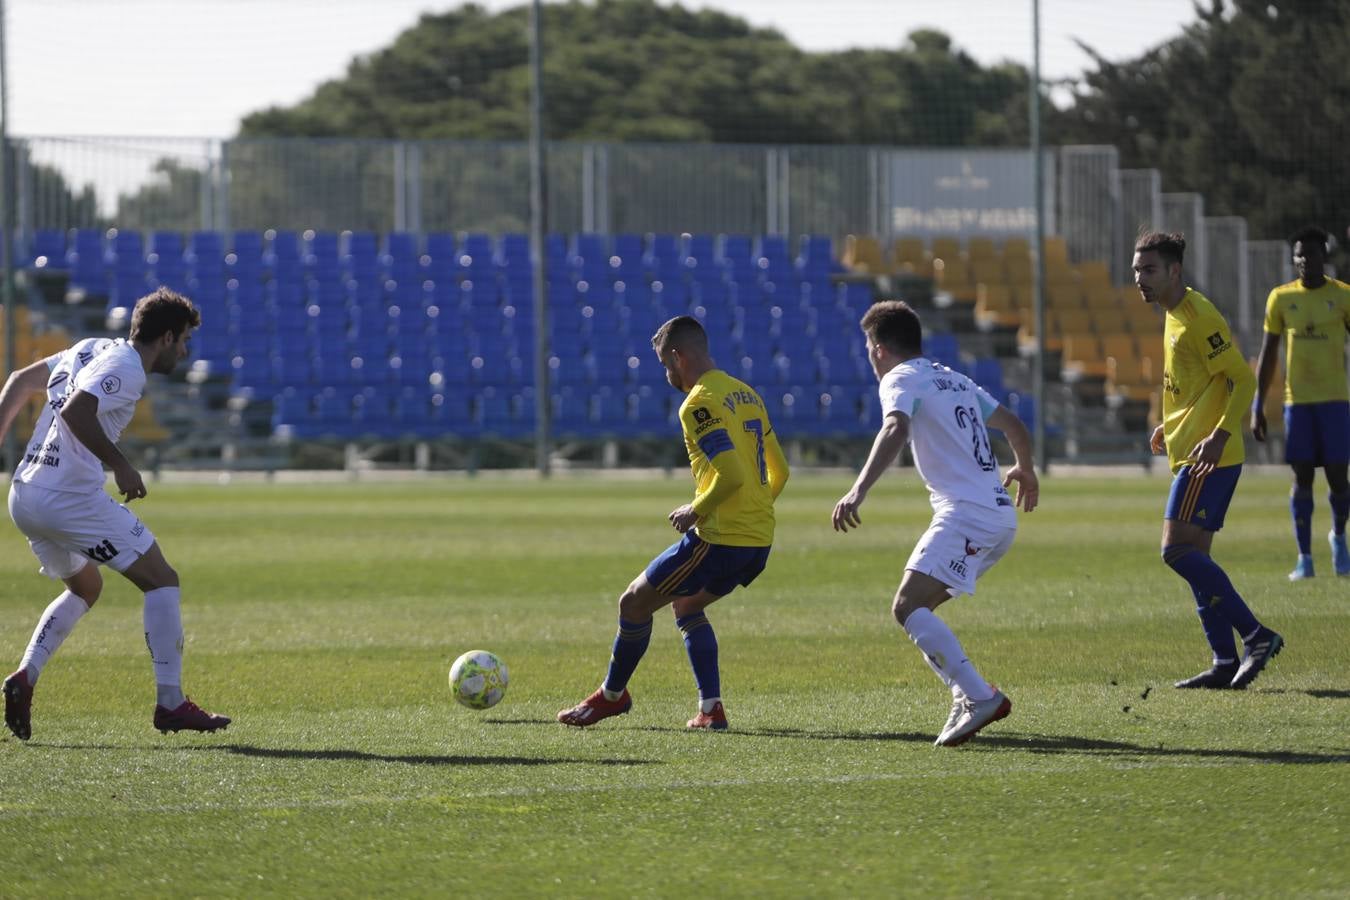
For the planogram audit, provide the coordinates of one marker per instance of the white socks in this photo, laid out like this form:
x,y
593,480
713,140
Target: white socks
x,y
707,705
57,621
164,637
945,655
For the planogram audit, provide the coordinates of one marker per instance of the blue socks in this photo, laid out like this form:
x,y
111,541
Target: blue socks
x,y
1301,509
1217,630
629,646
1340,509
1216,599
701,644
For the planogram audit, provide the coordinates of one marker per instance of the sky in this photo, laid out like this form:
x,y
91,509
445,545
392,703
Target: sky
x,y
194,68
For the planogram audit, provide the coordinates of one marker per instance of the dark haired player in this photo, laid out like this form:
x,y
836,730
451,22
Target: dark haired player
x,y
1206,388
57,500
1312,316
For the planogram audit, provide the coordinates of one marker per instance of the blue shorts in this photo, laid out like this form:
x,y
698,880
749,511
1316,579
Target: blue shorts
x,y
694,565
1202,501
1317,433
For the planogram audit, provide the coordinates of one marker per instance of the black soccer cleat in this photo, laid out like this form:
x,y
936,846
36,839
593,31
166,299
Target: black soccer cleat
x,y
1259,652
19,705
1214,679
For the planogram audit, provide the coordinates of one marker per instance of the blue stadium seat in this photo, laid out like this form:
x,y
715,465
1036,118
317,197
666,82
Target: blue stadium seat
x,y
663,256
942,347
987,372
88,271
49,249
771,258
816,257
735,254
166,260
442,259
514,254
402,259
626,260
321,258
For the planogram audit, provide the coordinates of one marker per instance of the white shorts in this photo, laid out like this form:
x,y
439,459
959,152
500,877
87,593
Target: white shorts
x,y
67,531
959,547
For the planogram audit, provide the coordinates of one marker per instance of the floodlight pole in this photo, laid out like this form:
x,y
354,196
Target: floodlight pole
x,y
1042,452
11,447
538,231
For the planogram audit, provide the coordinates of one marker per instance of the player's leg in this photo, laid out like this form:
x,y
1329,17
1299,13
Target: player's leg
x,y
1301,512
1334,432
639,601
720,571
1195,511
700,645
55,624
34,512
163,619
1301,453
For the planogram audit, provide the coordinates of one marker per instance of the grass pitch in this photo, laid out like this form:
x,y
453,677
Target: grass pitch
x,y
323,618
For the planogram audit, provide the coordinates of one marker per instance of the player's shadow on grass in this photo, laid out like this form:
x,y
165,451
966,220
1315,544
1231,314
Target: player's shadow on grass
x,y
1072,744
1062,744
410,759
1316,693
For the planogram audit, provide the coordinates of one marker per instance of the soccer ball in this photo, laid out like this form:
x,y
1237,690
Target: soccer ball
x,y
478,679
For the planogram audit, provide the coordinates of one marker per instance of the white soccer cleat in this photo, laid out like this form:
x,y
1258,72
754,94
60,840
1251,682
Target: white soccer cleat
x,y
975,714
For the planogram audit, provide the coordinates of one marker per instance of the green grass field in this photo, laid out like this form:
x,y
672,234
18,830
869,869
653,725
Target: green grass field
x,y
324,617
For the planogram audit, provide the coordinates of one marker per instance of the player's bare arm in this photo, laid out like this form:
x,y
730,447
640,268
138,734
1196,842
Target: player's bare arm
x,y
1157,441
1023,471
81,416
885,448
1265,367
19,389
1208,452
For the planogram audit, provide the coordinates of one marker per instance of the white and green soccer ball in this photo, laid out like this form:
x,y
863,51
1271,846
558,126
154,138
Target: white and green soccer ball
x,y
478,679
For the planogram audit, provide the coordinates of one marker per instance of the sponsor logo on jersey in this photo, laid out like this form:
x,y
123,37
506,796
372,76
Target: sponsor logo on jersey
x,y
958,566
111,385
704,419
1217,342
971,549
102,552
138,529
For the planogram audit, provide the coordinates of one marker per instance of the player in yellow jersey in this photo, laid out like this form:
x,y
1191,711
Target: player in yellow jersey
x,y
1206,388
739,469
1311,316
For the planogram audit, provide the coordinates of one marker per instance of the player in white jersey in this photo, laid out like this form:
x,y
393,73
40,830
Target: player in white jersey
x,y
945,415
57,500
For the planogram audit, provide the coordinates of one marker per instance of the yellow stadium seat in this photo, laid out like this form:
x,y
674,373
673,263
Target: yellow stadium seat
x,y
1083,357
1056,251
1130,378
1094,274
995,304
953,277
1063,295
862,253
1026,334
908,254
144,426
1016,249
1018,268
1074,320
1109,320
980,248
988,271
1121,346
946,248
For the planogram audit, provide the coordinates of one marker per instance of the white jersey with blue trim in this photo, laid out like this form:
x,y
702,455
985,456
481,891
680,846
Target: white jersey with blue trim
x,y
947,412
110,370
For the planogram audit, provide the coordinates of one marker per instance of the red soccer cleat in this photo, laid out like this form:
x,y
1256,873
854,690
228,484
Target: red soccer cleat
x,y
594,708
712,721
188,717
19,705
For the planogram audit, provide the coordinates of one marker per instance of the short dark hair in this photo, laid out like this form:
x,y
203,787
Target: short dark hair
x,y
163,312
1171,246
894,325
1310,234
682,333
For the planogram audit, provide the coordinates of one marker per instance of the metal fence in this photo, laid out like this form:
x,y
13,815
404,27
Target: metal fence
x,y
459,186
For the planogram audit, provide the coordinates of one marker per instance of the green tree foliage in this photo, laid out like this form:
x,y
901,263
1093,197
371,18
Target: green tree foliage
x,y
1249,106
637,70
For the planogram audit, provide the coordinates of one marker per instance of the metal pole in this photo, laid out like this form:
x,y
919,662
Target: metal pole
x,y
7,288
1038,275
538,230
